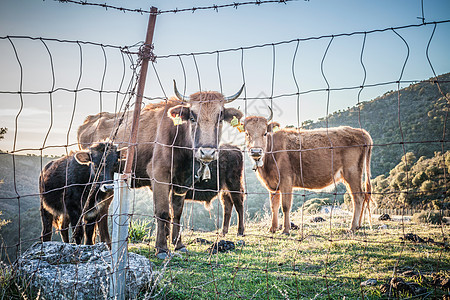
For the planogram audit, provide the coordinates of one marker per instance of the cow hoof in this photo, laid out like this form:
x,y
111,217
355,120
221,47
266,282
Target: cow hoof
x,y
240,234
182,250
162,255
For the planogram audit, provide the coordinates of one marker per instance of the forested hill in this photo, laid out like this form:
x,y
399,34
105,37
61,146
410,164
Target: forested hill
x,y
422,115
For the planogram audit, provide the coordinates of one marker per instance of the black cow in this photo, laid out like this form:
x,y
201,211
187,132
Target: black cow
x,y
229,185
76,189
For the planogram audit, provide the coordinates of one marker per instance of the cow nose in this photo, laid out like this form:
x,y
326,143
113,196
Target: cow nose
x,y
107,187
256,153
206,154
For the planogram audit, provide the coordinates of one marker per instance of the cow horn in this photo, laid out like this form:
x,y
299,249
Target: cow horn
x,y
235,96
177,93
271,114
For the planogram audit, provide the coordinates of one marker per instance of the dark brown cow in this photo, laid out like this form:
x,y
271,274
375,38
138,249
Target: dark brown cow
x,y
72,191
309,159
228,185
171,138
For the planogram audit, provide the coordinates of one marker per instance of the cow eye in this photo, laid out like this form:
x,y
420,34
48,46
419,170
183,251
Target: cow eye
x,y
265,133
192,118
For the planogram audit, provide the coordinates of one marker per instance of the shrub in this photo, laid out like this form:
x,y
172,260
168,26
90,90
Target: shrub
x,y
427,186
314,205
429,217
139,231
419,178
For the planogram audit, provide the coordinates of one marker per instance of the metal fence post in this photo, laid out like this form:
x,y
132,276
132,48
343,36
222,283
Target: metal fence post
x,y
119,245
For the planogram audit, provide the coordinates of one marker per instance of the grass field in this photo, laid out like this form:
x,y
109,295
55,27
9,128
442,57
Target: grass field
x,y
316,261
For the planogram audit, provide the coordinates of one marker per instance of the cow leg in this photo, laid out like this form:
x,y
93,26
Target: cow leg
x,y
77,227
161,209
64,230
356,193
238,201
275,206
103,227
286,206
89,231
47,221
236,192
177,211
365,207
227,210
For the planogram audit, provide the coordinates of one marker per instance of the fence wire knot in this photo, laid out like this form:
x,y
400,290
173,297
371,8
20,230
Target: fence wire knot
x,y
146,52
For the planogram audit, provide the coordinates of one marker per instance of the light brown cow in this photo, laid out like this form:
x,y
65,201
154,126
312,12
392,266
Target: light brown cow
x,y
309,159
171,138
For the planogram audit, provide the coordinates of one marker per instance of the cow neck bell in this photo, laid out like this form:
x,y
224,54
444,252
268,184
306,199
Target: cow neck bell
x,y
258,164
203,172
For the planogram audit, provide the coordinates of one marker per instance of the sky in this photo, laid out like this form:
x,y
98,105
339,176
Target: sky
x,y
272,73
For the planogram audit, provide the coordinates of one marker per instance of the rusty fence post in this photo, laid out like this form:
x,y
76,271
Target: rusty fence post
x,y
122,182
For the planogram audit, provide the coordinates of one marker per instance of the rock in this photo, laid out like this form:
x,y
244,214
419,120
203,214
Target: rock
x,y
67,271
398,286
384,226
317,219
369,282
221,246
240,243
202,241
384,217
293,226
413,237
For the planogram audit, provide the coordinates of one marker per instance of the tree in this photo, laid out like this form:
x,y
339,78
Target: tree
x,y
3,131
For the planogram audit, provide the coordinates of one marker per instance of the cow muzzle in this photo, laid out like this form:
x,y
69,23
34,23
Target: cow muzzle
x,y
107,187
256,153
206,155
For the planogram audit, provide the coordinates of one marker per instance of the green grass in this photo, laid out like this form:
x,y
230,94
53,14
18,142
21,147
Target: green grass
x,y
328,263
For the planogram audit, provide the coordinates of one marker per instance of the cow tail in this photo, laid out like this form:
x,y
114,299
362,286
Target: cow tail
x,y
367,195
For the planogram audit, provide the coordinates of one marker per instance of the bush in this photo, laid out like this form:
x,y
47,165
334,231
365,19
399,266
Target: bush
x,y
139,231
313,206
428,217
419,178
427,186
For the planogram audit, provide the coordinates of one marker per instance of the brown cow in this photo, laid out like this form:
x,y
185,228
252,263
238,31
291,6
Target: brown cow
x,y
309,159
166,150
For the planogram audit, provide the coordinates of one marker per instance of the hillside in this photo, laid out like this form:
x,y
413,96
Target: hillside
x,y
422,115
419,183
19,199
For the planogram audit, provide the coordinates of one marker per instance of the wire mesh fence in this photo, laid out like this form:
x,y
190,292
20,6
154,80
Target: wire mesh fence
x,y
62,97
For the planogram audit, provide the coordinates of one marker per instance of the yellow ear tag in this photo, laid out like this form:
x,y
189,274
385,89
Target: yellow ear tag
x,y
177,120
240,127
275,129
234,122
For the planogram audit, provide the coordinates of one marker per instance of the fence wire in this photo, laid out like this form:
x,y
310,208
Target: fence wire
x,y
306,264
214,7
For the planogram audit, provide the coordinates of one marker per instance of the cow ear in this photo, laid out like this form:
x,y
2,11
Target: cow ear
x,y
229,113
272,125
180,110
82,157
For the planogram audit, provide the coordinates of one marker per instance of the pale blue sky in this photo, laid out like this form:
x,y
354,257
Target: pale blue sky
x,y
383,57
